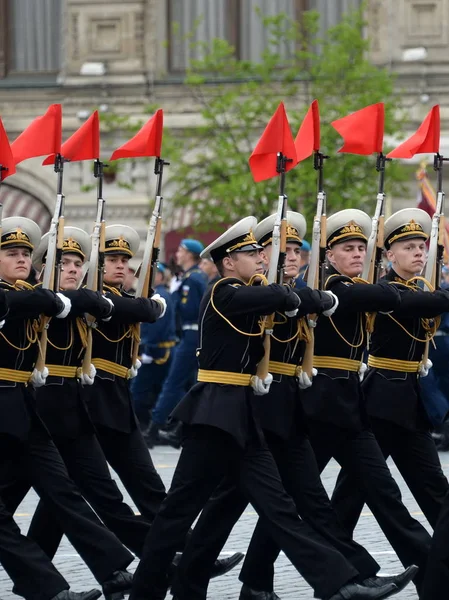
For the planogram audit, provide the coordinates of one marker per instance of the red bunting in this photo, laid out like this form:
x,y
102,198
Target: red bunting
x,y
363,130
426,138
6,157
84,144
146,142
277,137
42,136
307,140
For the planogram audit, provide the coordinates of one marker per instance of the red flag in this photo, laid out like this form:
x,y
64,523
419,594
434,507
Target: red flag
x,y
6,158
42,136
146,142
277,137
307,140
426,138
84,144
363,130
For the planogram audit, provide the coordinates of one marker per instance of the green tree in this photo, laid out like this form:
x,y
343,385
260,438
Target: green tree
x,y
236,98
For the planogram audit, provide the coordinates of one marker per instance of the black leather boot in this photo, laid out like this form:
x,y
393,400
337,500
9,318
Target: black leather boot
x,y
400,581
68,595
118,585
173,438
247,593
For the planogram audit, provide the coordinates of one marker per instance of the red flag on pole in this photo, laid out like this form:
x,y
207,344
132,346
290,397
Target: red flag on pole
x,y
277,137
42,136
146,142
307,140
6,157
363,130
84,144
426,138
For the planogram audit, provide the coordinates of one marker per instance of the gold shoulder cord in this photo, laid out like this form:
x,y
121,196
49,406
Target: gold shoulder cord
x,y
251,281
32,329
67,347
362,335
425,323
131,332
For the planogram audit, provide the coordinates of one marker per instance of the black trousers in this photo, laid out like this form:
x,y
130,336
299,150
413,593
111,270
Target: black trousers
x,y
436,582
208,455
360,455
88,468
37,463
298,469
128,455
415,455
33,575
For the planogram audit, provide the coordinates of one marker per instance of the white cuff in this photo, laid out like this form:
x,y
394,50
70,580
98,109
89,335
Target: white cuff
x,y
330,311
67,306
112,309
162,302
291,313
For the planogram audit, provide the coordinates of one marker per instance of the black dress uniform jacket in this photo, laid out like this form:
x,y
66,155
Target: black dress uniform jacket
x,y
59,402
228,407
393,395
109,397
335,396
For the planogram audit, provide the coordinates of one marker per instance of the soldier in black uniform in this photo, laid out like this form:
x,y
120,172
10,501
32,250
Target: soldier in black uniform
x,y
61,406
334,405
223,436
29,457
284,426
109,399
391,388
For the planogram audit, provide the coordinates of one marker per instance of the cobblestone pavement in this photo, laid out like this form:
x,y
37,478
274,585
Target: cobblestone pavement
x,y
289,585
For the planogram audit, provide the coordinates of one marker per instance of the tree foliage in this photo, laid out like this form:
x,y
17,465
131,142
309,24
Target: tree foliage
x,y
236,98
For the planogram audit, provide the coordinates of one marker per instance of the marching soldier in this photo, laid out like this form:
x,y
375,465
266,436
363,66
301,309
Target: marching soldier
x,y
157,345
334,405
109,400
391,387
283,422
181,375
223,436
61,406
29,457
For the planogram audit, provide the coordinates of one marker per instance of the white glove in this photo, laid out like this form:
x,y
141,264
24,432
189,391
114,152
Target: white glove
x,y
67,306
106,319
175,284
425,368
146,359
2,323
261,386
38,378
132,371
330,311
162,302
88,378
362,370
304,381
291,313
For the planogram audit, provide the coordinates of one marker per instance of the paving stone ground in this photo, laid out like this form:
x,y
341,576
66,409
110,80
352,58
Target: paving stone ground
x,y
289,585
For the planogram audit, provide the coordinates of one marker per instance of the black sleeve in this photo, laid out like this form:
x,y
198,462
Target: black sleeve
x,y
235,299
3,304
313,301
134,310
87,301
29,304
422,304
362,297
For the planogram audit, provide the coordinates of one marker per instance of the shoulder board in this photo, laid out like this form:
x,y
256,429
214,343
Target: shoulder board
x,y
112,289
232,281
336,278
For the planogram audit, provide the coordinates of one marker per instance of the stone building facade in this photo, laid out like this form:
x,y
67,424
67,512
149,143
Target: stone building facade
x,y
119,55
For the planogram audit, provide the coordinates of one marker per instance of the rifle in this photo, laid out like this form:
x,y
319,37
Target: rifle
x,y
316,273
152,245
374,249
53,263
277,259
96,261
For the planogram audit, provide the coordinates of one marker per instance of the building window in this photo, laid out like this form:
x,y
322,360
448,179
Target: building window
x,y
236,21
31,37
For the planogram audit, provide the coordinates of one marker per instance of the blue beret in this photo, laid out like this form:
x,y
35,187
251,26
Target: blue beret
x,y
193,246
305,246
